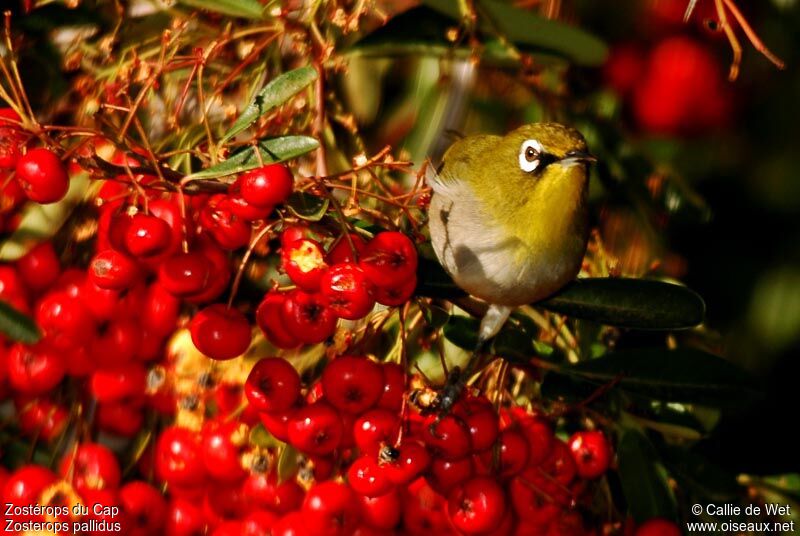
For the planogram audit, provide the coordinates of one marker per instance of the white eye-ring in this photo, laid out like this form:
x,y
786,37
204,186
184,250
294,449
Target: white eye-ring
x,y
529,155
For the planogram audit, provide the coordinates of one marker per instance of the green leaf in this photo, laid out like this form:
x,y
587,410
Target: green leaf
x,y
629,303
16,326
642,478
260,437
682,375
707,480
514,344
246,9
40,222
271,151
435,316
287,464
307,206
275,93
529,30
462,331
422,31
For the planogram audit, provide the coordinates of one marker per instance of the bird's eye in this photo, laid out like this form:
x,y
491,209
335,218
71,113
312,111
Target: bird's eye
x,y
529,155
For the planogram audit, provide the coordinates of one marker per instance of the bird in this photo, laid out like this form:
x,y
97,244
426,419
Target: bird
x,y
508,220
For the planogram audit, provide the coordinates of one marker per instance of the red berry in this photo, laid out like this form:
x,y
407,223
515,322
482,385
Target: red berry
x,y
263,490
277,423
514,452
381,513
116,343
41,418
482,423
122,419
219,273
406,463
342,252
352,383
184,518
390,259
624,68
179,458
126,382
220,332
394,296
34,369
304,263
444,475
308,317
144,507
292,524
348,291
42,175
272,385
292,233
159,310
218,217
92,467
368,478
24,487
257,523
184,274
39,268
147,235
223,444
540,438
658,527
64,320
591,453
331,508
315,429
683,90
448,439
477,506
269,317
394,387
374,429
113,270
266,186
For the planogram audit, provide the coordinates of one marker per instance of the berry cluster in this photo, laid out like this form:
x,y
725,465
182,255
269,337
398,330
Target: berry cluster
x,y
345,284
26,173
358,446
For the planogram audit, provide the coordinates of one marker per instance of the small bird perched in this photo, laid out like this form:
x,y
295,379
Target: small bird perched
x,y
509,221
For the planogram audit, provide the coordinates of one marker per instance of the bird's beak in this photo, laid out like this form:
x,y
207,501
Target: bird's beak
x,y
574,157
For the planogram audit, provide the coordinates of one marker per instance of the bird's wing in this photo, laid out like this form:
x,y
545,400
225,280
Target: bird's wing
x,y
464,161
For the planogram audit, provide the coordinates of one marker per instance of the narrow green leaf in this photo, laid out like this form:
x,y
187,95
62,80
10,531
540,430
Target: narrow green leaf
x,y
682,375
529,30
630,303
307,206
275,93
642,478
271,150
246,9
287,464
16,326
40,222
